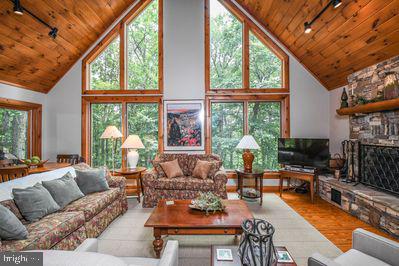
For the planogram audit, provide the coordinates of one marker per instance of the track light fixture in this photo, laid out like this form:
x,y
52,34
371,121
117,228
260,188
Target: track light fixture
x,y
19,10
308,25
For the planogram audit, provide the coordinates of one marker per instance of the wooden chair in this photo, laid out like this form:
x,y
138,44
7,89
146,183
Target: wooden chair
x,y
13,172
6,163
68,158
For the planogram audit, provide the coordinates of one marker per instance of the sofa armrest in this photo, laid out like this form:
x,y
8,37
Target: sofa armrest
x,y
220,177
148,177
319,260
170,256
116,181
89,245
376,246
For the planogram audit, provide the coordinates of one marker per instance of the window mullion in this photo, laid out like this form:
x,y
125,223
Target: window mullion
x,y
245,117
122,56
124,131
245,56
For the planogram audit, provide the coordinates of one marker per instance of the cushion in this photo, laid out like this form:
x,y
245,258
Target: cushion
x,y
202,169
354,257
185,183
214,159
48,232
92,180
94,203
64,190
10,227
172,169
182,158
34,202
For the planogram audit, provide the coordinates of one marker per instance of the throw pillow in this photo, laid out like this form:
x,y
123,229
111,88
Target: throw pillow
x,y
202,169
64,190
92,180
10,227
34,202
172,169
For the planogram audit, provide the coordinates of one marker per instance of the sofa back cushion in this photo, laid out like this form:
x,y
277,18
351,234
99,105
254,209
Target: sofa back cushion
x,y
92,180
182,159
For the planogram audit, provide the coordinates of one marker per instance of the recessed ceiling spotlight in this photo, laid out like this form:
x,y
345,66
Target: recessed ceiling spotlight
x,y
308,25
308,28
336,3
18,8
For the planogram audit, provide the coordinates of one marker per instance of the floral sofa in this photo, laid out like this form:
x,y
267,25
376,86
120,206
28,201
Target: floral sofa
x,y
66,229
157,186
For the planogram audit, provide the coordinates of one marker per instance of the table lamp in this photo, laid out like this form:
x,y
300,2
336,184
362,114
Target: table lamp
x,y
133,142
248,143
111,132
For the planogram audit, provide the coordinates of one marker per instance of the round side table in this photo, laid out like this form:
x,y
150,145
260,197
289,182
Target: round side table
x,y
135,187
255,193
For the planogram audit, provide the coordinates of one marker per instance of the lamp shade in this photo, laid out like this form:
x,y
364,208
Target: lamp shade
x,y
132,142
111,132
248,142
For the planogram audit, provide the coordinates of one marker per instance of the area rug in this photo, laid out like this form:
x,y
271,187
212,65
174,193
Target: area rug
x,y
127,236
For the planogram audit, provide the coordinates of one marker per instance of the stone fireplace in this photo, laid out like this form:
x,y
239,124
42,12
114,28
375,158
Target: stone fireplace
x,y
376,199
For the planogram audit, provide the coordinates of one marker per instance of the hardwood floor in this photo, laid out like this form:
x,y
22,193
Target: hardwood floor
x,y
332,222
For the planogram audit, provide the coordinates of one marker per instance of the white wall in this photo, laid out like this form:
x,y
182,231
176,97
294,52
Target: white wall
x,y
339,125
184,79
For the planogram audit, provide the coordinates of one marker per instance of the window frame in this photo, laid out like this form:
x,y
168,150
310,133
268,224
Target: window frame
x,y
34,138
87,101
283,99
248,25
120,30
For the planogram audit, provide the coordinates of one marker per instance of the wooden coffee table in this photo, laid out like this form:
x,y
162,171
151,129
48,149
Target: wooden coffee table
x,y
179,219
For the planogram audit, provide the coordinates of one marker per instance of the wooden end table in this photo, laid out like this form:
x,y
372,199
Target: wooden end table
x,y
131,174
308,177
180,219
236,260
255,174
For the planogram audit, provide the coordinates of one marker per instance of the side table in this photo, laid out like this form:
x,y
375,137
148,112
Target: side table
x,y
131,174
255,174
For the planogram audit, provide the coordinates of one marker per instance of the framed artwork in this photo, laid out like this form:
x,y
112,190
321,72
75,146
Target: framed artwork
x,y
184,126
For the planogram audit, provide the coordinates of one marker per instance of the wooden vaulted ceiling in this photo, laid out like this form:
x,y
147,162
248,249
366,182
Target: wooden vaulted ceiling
x,y
357,34
29,58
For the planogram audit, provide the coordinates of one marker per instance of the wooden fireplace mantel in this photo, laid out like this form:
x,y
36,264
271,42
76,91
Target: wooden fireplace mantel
x,y
386,105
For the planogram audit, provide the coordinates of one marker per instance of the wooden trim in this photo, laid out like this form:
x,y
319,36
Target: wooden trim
x,y
284,100
120,30
34,138
248,26
381,106
124,100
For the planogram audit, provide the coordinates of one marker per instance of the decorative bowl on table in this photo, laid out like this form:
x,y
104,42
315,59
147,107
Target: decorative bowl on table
x,y
32,163
207,202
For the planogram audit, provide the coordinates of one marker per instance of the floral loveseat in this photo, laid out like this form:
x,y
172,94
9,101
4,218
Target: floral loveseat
x,y
157,186
66,229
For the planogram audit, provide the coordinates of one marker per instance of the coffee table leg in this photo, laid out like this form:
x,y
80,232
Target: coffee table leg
x,y
158,242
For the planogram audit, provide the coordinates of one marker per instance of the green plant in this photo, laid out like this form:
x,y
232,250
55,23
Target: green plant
x,y
208,202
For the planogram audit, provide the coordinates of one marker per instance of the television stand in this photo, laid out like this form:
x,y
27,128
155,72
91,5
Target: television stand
x,y
304,176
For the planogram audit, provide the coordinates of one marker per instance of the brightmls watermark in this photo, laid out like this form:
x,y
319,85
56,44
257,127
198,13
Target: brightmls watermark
x,y
21,258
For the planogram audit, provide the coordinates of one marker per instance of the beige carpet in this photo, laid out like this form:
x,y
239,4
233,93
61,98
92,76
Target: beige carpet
x,y
126,236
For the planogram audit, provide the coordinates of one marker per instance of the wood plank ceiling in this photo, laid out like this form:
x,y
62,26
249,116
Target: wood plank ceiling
x,y
29,58
356,35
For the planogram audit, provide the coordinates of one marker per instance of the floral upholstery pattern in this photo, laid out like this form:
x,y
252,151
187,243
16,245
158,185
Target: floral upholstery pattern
x,y
47,232
94,203
157,186
68,228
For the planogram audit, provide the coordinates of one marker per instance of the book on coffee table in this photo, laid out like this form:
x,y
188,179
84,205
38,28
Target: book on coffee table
x,y
284,256
224,254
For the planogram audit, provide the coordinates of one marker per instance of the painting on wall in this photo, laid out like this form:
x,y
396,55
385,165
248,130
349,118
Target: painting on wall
x,y
184,125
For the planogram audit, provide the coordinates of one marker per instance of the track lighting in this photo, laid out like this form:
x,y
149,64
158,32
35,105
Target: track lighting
x,y
19,10
308,25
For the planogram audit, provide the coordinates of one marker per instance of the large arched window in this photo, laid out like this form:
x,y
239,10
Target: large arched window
x,y
130,58
240,56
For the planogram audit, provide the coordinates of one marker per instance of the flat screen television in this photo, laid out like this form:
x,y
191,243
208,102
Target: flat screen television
x,y
304,152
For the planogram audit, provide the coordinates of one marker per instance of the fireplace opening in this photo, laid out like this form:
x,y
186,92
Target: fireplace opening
x,y
379,167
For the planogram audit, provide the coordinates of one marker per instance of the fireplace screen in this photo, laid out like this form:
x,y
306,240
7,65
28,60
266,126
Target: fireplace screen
x,y
380,167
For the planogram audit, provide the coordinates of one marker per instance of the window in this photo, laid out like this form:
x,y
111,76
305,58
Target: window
x,y
103,115
14,132
142,50
129,59
105,70
134,115
264,117
239,56
142,120
20,128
